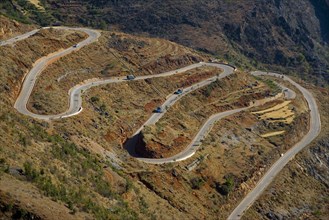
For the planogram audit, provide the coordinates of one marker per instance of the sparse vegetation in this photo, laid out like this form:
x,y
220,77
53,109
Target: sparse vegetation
x,y
7,8
75,196
273,86
227,186
94,99
197,182
211,87
75,161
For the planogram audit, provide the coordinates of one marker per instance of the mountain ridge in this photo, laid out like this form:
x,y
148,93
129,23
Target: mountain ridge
x,y
285,36
274,33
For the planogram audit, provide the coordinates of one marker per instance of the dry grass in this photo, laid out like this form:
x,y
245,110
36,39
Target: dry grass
x,y
278,113
66,150
271,134
300,190
284,112
176,129
115,54
274,108
37,4
10,28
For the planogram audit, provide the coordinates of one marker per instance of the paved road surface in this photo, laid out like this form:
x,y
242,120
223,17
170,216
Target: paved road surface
x,y
190,150
131,144
76,101
173,98
75,92
315,128
39,66
18,38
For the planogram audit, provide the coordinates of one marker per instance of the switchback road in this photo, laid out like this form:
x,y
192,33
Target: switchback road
x,y
40,65
315,128
76,101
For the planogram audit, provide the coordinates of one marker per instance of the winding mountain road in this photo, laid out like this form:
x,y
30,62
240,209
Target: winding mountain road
x,y
18,38
40,65
315,128
75,107
75,100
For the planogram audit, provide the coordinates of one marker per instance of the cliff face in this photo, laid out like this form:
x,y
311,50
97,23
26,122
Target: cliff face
x,y
279,33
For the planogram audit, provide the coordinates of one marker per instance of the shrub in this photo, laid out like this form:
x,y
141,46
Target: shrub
x,y
30,173
103,187
227,187
197,183
94,99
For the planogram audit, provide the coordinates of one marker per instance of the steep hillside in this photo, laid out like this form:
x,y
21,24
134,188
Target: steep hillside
x,y
272,34
10,28
78,167
301,190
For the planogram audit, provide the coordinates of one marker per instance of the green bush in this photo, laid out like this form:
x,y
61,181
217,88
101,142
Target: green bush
x,y
7,9
94,99
81,164
272,85
30,173
227,187
103,187
197,183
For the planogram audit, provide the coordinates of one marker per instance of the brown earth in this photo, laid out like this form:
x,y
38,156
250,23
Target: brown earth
x,y
233,149
17,60
115,54
300,191
288,36
30,203
62,160
181,123
10,28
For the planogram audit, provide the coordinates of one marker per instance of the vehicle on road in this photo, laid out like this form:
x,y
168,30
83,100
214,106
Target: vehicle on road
x,y
178,91
130,77
158,110
56,24
75,45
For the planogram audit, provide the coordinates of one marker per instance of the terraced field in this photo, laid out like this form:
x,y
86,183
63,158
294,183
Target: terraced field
x,y
278,113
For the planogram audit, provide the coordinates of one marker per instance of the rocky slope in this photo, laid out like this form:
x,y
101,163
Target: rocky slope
x,y
125,188
9,28
291,36
300,191
275,33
